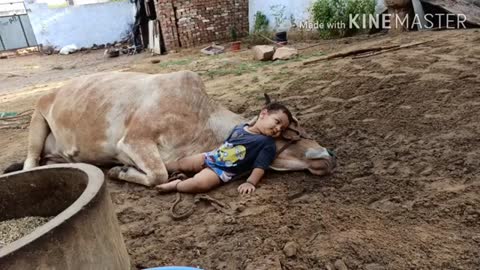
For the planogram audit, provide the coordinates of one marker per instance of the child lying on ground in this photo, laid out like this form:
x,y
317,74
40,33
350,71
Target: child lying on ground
x,y
247,148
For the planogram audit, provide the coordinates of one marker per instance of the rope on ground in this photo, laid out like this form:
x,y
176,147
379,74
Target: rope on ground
x,y
19,121
218,205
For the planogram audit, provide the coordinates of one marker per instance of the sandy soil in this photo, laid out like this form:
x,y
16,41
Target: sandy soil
x,y
405,125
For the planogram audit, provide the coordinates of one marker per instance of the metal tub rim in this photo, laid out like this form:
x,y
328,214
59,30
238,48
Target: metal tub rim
x,y
95,181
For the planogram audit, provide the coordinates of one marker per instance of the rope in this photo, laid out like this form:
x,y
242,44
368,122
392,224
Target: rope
x,y
218,205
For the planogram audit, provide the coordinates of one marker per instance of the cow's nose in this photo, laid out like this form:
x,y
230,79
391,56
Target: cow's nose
x,y
317,153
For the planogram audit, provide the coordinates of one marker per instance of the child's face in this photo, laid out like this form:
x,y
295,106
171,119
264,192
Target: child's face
x,y
272,123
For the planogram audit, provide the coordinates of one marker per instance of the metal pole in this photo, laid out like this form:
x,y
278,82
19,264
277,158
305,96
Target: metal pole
x,y
23,29
3,45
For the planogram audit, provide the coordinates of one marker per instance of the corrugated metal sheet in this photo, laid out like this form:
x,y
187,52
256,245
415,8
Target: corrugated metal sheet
x,y
12,33
2,48
16,32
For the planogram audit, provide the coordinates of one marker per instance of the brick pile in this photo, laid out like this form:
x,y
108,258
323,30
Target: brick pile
x,y
187,23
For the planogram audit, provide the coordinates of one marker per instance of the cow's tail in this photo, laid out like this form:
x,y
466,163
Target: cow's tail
x,y
18,166
37,136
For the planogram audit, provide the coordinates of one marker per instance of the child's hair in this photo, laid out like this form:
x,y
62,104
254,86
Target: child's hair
x,y
275,107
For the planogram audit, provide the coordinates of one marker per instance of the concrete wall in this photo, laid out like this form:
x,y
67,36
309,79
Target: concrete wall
x,y
299,9
81,25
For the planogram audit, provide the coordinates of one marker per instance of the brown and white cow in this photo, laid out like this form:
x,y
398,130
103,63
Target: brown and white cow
x,y
140,122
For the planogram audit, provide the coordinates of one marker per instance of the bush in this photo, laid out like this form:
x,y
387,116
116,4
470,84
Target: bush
x,y
234,33
331,12
261,22
260,28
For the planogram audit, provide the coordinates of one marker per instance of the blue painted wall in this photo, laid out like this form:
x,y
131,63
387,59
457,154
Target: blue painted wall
x,y
81,25
297,8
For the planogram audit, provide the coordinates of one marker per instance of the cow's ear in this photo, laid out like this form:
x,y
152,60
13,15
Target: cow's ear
x,y
294,123
267,99
295,120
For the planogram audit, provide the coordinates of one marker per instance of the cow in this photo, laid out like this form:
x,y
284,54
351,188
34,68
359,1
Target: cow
x,y
138,122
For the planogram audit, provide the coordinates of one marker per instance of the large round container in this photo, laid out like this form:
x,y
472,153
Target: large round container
x,y
84,233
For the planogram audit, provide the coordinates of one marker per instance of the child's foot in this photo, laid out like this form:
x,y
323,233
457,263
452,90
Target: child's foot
x,y
168,187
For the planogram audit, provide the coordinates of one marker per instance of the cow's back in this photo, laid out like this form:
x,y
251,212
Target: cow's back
x,y
89,115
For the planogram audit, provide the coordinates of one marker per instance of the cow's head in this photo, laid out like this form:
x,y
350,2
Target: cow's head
x,y
298,151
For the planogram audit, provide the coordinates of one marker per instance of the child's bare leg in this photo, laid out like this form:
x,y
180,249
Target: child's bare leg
x,y
187,164
203,181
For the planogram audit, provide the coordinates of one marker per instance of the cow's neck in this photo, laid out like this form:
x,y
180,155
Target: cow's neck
x,y
211,134
222,121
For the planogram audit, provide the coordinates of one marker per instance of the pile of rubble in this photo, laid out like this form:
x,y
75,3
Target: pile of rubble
x,y
111,50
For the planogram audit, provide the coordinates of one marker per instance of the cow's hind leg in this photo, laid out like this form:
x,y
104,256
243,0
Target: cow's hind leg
x,y
37,135
149,168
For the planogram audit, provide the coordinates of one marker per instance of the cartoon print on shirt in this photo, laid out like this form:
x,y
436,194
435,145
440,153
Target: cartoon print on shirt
x,y
228,155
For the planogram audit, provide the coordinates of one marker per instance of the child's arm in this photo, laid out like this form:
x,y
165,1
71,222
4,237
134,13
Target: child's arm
x,y
254,178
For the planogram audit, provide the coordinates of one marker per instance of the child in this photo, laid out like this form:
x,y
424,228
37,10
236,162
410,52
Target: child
x,y
247,147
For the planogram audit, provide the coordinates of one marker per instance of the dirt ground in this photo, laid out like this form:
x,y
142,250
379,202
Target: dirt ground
x,y
405,125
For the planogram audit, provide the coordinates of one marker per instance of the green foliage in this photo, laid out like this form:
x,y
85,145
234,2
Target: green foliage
x,y
260,28
261,22
330,12
234,33
292,20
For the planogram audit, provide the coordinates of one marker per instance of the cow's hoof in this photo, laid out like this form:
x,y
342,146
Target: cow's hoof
x,y
114,173
177,175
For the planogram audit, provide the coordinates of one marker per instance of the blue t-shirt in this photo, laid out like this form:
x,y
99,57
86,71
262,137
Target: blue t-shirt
x,y
243,151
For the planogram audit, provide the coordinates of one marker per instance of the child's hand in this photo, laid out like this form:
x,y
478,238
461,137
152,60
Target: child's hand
x,y
246,188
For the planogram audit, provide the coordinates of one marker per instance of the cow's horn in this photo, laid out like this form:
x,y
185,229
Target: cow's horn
x,y
267,99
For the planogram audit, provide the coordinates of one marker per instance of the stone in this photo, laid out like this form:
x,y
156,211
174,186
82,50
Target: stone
x,y
340,265
373,266
213,50
285,53
284,230
263,52
266,263
290,249
48,50
427,171
269,245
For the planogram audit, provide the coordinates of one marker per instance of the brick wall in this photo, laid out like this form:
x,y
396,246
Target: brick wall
x,y
186,23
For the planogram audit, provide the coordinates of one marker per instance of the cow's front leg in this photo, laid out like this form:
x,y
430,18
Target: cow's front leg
x,y
149,168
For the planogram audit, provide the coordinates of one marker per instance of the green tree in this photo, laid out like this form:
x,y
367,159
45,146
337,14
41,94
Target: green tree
x,y
336,12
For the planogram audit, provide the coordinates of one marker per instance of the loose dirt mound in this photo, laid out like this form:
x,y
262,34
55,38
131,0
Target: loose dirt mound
x,y
406,195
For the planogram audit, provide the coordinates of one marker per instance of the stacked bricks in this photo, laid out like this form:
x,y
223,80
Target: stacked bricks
x,y
187,23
